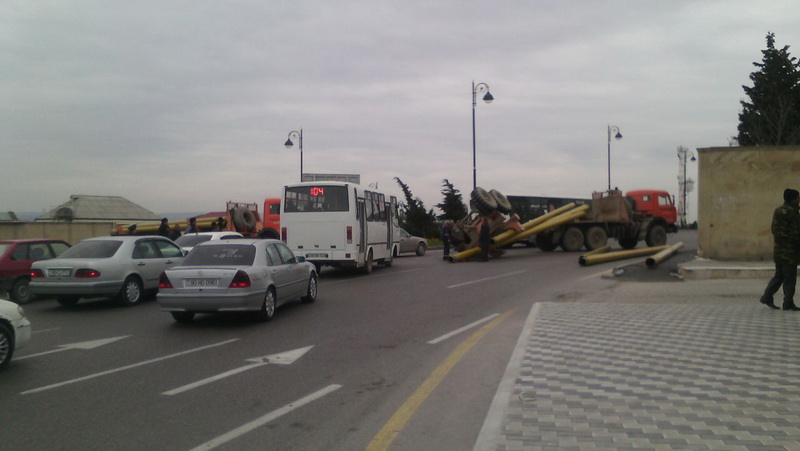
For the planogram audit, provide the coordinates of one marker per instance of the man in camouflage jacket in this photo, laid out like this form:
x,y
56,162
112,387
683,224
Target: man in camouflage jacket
x,y
786,233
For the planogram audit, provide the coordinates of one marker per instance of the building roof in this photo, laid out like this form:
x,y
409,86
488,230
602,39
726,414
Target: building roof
x,y
82,207
8,216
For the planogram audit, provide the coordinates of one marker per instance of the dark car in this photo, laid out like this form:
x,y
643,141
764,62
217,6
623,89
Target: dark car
x,y
16,257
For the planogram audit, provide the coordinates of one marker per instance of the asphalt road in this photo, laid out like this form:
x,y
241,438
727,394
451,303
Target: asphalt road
x,y
409,356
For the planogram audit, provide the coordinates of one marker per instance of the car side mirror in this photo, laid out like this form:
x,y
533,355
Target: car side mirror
x,y
300,259
184,252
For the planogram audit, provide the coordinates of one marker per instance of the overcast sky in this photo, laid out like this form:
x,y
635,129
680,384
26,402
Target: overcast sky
x,y
184,105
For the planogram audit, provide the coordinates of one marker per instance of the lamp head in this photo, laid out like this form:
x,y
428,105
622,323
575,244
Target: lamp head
x,y
693,158
288,143
618,136
488,98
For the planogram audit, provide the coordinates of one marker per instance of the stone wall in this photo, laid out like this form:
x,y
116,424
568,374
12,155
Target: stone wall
x,y
738,189
71,232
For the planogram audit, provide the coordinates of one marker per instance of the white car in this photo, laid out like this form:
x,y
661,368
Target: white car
x,y
190,240
113,266
15,330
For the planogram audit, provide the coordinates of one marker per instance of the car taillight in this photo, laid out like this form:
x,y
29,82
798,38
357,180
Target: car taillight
x,y
349,234
283,234
36,273
240,280
163,281
86,273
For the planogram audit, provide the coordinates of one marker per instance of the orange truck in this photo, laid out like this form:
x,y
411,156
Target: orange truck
x,y
272,218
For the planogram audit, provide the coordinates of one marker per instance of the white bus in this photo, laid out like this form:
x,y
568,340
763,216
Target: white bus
x,y
340,224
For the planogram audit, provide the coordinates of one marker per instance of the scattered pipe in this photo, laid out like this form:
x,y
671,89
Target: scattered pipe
x,y
553,222
533,222
599,250
585,260
656,259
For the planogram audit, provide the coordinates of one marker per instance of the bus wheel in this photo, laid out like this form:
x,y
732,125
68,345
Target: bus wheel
x,y
368,264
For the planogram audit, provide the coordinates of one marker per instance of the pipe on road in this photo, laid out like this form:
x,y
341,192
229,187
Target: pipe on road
x,y
585,260
656,259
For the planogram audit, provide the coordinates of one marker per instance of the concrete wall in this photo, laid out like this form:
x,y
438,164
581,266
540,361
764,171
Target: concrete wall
x,y
71,232
738,189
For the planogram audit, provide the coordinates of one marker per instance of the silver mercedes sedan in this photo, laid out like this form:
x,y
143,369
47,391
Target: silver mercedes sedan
x,y
112,266
237,275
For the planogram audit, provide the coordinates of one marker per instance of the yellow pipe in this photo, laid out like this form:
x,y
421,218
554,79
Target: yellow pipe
x,y
549,224
618,255
663,255
599,250
535,221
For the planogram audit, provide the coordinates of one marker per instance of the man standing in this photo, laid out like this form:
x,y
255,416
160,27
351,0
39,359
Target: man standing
x,y
786,233
163,229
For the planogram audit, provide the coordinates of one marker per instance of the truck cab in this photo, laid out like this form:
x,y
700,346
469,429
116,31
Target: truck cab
x,y
272,218
656,204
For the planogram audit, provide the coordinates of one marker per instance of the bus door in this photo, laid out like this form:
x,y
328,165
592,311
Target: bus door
x,y
362,225
390,220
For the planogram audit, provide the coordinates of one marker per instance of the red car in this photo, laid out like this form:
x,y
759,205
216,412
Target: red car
x,y
16,257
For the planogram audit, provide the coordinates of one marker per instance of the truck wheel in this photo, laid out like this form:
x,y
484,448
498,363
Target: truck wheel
x,y
572,240
596,237
546,241
503,205
484,201
656,235
244,219
628,242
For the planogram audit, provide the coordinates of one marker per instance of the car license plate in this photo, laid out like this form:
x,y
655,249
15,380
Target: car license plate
x,y
201,283
58,272
316,255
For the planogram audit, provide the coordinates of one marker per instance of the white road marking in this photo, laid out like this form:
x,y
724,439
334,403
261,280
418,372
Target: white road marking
x,y
82,345
487,278
373,275
116,370
258,422
467,327
45,330
284,358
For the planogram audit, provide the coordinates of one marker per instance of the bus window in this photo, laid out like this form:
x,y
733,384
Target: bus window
x,y
316,198
382,207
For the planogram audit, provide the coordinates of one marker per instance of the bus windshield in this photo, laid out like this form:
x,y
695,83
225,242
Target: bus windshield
x,y
316,198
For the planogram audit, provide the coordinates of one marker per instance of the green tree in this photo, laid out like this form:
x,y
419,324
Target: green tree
x,y
452,206
772,116
414,219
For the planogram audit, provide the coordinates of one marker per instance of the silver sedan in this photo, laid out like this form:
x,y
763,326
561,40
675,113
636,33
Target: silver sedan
x,y
113,266
235,276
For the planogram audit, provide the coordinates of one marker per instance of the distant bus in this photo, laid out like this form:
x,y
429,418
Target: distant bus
x,y
340,224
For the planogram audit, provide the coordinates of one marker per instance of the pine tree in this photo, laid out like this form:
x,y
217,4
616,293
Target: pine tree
x,y
452,206
772,116
415,220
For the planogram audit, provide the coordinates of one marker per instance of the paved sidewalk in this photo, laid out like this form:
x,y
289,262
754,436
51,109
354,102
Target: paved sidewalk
x,y
697,365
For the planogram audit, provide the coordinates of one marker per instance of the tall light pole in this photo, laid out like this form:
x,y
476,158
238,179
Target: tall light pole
x,y
683,155
618,136
480,87
289,145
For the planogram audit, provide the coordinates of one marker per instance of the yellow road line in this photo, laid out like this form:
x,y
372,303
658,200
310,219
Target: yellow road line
x,y
403,415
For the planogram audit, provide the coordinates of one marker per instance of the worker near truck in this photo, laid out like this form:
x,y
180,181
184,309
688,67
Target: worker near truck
x,y
163,229
786,235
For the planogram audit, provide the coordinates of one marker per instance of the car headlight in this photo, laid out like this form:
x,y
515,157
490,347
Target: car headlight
x,y
21,311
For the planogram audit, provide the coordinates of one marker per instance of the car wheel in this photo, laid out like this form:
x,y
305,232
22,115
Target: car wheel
x,y
267,311
67,301
183,317
21,293
311,292
368,264
131,293
6,345
421,248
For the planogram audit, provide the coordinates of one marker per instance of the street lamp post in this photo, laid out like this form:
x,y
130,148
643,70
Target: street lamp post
x,y
683,154
480,87
617,136
289,145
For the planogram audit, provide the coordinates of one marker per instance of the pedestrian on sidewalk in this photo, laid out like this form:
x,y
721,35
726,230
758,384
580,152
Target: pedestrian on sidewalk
x,y
786,234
